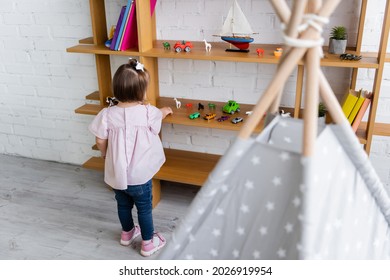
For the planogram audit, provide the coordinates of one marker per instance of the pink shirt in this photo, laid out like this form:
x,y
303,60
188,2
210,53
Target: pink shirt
x,y
134,152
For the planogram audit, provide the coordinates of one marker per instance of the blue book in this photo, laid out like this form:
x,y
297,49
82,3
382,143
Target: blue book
x,y
122,27
115,37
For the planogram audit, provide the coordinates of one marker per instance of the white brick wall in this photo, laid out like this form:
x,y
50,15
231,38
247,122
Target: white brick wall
x,y
41,84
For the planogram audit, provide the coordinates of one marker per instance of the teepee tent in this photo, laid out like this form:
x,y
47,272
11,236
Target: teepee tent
x,y
299,190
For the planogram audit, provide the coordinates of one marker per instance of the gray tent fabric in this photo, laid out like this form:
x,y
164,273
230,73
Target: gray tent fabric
x,y
265,201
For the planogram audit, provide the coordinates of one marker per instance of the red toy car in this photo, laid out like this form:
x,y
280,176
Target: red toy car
x,y
179,46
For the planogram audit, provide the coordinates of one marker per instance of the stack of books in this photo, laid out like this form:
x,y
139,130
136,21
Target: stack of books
x,y
126,35
355,105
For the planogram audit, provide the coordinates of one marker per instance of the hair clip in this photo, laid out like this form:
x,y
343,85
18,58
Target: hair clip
x,y
139,66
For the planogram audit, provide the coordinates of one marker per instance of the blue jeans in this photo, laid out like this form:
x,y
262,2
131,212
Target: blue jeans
x,y
141,196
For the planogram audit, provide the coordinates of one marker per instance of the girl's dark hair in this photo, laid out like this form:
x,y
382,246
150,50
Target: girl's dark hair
x,y
129,83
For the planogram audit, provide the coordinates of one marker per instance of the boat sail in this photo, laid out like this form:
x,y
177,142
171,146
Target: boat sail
x,y
236,28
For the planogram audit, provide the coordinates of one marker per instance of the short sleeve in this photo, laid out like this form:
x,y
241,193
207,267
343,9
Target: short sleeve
x,y
99,126
154,119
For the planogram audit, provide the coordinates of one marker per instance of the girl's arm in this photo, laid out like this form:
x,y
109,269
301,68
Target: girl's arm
x,y
102,146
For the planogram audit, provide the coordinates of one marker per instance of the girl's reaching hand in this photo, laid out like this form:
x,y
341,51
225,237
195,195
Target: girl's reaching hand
x,y
166,111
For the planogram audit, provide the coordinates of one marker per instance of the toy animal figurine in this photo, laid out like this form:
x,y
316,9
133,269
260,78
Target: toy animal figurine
x,y
166,45
178,103
207,45
260,52
285,115
189,105
278,52
200,106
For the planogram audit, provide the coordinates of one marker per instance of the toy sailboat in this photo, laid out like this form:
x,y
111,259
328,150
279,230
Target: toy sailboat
x,y
236,29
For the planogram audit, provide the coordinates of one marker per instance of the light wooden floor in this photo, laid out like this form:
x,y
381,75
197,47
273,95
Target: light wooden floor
x,y
58,211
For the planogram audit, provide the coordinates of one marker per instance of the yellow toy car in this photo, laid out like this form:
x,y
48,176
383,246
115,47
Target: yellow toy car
x,y
209,116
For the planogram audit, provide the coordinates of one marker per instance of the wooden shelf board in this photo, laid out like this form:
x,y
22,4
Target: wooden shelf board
x,y
181,115
218,52
100,49
333,60
180,166
89,109
88,40
93,96
380,129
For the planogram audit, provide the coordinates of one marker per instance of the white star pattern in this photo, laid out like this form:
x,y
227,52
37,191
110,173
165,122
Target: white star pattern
x,y
177,247
200,211
270,206
249,185
263,230
216,232
191,238
289,227
299,247
325,150
284,156
236,253
219,212
256,254
188,229
214,253
287,140
224,188
296,201
240,231
255,160
244,208
189,257
283,123
213,192
239,153
226,172
277,181
281,253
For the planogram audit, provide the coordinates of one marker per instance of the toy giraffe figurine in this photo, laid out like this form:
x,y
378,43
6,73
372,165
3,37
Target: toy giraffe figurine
x,y
207,45
178,103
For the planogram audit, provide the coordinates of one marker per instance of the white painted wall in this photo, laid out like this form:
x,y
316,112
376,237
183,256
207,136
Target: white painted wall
x,y
41,84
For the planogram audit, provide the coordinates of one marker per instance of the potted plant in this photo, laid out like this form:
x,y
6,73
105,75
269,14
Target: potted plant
x,y
338,40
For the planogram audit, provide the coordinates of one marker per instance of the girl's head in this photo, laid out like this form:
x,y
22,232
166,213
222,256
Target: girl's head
x,y
130,82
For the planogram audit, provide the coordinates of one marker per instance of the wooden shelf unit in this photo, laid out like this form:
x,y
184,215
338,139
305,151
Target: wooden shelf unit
x,y
189,167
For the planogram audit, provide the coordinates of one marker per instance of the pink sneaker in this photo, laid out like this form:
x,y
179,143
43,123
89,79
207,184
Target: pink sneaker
x,y
128,236
151,246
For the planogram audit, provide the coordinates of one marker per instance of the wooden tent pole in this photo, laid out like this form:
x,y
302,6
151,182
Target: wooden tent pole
x,y
310,118
294,19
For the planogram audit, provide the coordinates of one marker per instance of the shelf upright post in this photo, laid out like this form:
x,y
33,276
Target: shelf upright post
x,y
378,76
99,31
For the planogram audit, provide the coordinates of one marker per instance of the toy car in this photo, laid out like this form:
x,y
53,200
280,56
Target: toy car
x,y
223,118
209,116
231,107
179,46
211,105
194,115
237,120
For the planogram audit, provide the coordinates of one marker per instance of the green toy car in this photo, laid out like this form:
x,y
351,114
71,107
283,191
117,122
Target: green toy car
x,y
194,115
231,107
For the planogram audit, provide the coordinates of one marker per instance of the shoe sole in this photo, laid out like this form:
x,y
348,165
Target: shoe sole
x,y
127,243
149,253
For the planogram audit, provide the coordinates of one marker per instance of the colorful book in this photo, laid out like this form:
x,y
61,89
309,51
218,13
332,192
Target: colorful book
x,y
357,106
349,102
362,111
125,16
115,37
130,38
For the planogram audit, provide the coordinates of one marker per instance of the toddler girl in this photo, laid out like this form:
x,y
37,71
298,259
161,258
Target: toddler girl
x,y
127,136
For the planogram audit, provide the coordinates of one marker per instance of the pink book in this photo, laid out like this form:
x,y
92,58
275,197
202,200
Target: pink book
x,y
130,37
361,113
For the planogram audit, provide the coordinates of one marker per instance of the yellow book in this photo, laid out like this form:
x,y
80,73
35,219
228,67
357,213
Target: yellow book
x,y
357,106
349,102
